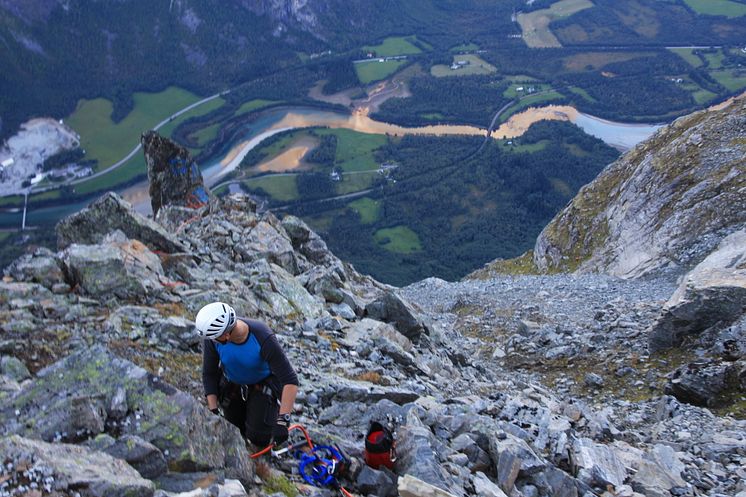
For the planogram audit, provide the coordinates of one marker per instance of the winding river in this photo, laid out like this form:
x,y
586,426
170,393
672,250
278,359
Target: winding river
x,y
620,135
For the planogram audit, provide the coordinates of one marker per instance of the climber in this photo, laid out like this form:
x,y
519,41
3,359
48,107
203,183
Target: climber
x,y
246,374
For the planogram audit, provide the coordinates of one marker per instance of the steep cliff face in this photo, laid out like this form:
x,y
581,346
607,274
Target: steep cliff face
x,y
665,204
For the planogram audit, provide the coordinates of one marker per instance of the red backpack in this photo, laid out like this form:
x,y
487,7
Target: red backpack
x,y
379,447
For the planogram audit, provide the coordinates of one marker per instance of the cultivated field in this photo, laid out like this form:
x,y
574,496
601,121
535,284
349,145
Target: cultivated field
x,y
535,25
400,239
474,65
395,45
375,70
109,142
717,7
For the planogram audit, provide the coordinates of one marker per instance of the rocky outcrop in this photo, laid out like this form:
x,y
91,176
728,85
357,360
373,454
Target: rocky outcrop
x,y
174,177
713,293
93,392
665,204
110,213
65,469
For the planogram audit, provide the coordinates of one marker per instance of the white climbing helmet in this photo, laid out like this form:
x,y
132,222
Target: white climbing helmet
x,y
215,319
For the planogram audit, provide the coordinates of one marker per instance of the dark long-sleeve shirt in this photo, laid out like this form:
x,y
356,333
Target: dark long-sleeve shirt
x,y
253,361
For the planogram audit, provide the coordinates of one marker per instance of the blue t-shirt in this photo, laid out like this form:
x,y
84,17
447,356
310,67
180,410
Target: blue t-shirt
x,y
243,363
249,363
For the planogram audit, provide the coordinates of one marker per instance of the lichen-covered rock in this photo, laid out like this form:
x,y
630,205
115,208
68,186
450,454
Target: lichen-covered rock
x,y
126,271
174,177
68,470
109,213
665,203
41,266
188,435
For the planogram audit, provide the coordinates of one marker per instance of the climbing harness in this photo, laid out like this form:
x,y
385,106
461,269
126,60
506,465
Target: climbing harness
x,y
319,465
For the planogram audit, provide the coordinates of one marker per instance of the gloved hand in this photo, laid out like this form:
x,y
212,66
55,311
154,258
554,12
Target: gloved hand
x,y
280,431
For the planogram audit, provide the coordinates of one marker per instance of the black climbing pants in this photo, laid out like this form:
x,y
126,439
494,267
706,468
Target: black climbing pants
x,y
252,408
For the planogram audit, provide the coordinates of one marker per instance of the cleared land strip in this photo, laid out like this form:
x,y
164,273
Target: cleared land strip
x,y
535,25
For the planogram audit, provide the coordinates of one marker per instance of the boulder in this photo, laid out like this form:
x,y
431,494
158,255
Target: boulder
x,y
175,179
130,401
306,241
13,368
41,266
410,486
713,293
596,464
266,242
374,482
62,469
392,308
145,457
707,384
417,457
659,473
110,213
126,271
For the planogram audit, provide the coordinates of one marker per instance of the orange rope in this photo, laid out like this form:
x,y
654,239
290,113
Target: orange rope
x,y
263,451
345,492
272,445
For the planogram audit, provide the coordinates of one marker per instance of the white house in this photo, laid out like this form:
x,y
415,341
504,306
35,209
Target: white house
x,y
7,162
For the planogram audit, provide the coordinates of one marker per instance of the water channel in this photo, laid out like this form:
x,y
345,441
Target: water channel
x,y
620,135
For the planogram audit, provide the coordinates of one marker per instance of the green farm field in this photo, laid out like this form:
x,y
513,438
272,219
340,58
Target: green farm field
x,y
717,8
395,45
399,239
688,55
281,188
108,142
475,66
368,209
355,149
373,70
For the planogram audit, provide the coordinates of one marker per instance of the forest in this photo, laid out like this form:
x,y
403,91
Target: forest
x,y
465,209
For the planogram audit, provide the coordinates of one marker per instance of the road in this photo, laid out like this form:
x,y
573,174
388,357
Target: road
x,y
134,150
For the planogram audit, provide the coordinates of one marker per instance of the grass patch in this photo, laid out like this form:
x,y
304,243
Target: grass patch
x,y
355,149
432,116
526,148
717,8
714,60
532,100
703,96
108,142
520,78
205,135
399,239
688,55
4,235
11,200
282,188
474,66
732,79
253,105
465,47
368,209
207,107
356,182
535,25
394,45
520,90
126,172
579,91
373,70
